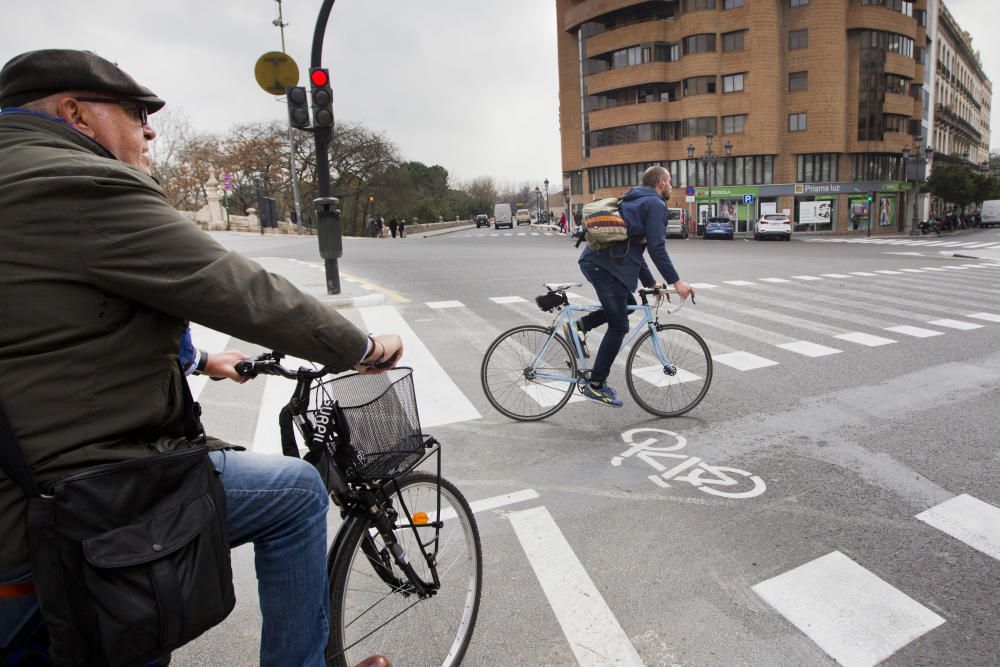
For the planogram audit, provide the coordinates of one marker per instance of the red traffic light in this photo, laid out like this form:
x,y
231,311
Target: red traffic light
x,y
319,77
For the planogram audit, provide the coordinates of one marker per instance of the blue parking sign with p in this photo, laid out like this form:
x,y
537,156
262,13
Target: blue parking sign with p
x,y
747,199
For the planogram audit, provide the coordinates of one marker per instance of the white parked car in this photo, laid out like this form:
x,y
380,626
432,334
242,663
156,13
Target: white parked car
x,y
773,225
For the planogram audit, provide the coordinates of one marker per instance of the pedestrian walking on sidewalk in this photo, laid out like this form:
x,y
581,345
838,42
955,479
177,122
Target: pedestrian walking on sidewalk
x,y
402,228
392,226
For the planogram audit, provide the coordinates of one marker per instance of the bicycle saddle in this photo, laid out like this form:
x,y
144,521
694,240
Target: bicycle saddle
x,y
560,287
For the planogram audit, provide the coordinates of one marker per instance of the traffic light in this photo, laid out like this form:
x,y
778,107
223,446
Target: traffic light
x,y
298,107
371,198
870,199
322,97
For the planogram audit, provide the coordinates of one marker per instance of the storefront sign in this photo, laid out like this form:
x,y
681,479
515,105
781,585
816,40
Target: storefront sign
x,y
815,213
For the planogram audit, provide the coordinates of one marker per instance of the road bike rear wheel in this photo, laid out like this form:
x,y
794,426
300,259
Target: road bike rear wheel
x,y
653,388
507,375
373,609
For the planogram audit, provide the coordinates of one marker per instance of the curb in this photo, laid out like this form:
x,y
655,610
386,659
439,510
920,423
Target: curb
x,y
439,232
353,301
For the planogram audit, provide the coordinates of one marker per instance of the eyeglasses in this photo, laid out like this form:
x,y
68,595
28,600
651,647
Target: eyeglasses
x,y
139,109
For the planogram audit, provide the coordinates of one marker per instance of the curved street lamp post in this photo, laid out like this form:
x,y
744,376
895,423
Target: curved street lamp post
x,y
709,160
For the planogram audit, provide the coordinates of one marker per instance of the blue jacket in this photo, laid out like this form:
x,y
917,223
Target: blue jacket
x,y
645,214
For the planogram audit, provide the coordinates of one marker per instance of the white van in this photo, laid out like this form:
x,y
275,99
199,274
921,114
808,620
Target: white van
x,y
677,222
990,213
502,216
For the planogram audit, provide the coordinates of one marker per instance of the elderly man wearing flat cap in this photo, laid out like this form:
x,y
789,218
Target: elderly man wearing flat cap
x,y
98,277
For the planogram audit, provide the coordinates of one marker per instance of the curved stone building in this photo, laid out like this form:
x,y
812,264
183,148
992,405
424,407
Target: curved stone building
x,y
807,105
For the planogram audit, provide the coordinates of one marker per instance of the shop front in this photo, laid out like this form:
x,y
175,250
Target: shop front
x,y
854,207
738,203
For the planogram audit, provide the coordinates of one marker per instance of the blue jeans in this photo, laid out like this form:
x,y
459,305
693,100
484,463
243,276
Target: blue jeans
x,y
279,504
615,299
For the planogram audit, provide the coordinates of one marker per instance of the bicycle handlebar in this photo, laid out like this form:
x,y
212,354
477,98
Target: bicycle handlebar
x,y
665,291
269,363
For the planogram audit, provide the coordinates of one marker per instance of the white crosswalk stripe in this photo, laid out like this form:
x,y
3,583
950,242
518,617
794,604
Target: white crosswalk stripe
x,y
955,324
808,349
968,519
916,332
868,340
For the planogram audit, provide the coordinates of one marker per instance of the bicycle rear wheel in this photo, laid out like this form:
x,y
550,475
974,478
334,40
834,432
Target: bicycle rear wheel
x,y
507,376
373,609
654,389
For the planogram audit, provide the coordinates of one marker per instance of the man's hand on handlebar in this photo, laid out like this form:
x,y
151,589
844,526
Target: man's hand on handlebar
x,y
684,290
385,354
221,365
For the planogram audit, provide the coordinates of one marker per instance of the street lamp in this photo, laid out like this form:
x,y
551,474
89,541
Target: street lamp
x,y
709,160
546,201
538,204
915,169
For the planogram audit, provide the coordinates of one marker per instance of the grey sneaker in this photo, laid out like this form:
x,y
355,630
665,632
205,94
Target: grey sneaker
x,y
580,334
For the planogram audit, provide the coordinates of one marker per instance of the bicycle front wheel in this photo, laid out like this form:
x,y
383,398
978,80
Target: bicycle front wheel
x,y
373,607
651,384
509,380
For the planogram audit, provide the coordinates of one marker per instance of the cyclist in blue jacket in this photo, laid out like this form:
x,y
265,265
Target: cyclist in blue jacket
x,y
615,272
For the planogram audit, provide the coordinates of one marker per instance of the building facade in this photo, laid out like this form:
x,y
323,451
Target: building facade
x,y
755,106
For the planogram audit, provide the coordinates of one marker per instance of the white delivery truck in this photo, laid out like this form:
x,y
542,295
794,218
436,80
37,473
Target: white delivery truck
x,y
502,216
990,213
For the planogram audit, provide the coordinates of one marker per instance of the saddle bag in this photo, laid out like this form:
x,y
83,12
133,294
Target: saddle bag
x,y
130,560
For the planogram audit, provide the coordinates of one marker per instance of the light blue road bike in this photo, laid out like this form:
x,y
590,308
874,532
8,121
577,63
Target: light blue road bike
x,y
530,371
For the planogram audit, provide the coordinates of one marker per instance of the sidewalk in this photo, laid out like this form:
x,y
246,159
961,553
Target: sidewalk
x,y
310,277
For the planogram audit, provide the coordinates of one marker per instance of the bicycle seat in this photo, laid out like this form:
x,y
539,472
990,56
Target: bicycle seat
x,y
560,287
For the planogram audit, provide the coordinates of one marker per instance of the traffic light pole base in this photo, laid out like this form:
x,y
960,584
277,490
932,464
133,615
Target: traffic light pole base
x,y
332,277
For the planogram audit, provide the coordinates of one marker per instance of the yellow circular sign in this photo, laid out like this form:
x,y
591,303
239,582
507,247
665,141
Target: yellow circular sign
x,y
275,72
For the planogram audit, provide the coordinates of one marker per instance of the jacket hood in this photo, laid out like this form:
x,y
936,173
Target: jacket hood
x,y
639,192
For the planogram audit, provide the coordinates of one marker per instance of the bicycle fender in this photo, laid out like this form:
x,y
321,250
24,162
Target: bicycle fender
x,y
338,550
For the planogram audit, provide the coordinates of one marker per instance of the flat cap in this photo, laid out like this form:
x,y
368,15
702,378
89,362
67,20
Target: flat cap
x,y
36,74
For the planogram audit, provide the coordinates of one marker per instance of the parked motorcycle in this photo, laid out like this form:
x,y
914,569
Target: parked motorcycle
x,y
928,226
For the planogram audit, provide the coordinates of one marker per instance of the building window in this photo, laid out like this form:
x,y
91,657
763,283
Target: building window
x,y
695,5
798,81
877,166
650,92
731,4
733,41
896,84
887,41
699,85
699,43
732,83
797,3
633,134
734,124
816,167
699,127
902,6
797,122
798,39
633,55
576,183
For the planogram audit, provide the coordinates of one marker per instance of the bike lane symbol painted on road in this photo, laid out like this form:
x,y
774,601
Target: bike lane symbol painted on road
x,y
722,481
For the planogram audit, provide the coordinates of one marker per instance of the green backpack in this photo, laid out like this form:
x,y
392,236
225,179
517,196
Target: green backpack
x,y
603,225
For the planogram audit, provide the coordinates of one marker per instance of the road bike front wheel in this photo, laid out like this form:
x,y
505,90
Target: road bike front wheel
x,y
509,380
373,607
653,386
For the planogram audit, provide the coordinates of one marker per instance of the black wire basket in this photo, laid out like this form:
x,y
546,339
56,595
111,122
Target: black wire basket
x,y
375,420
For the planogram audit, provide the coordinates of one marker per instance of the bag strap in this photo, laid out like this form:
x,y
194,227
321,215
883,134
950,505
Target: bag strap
x,y
12,458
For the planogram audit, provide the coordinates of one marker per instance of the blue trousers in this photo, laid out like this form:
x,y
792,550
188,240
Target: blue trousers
x,y
279,504
615,299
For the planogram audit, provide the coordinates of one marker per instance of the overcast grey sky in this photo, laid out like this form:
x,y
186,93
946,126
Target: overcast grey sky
x,y
468,84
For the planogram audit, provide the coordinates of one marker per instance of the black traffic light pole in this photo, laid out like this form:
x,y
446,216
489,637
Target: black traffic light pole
x,y
327,207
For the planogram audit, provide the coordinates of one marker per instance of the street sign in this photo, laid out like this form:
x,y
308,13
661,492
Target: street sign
x,y
276,72
747,199
689,199
227,182
690,191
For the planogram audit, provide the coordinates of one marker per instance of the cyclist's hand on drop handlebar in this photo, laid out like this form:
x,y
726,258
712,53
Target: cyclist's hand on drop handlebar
x,y
385,354
684,290
221,365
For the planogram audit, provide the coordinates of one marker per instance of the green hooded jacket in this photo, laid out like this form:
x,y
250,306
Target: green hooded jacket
x,y
98,274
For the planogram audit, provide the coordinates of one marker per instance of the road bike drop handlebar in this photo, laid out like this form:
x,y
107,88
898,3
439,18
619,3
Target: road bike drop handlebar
x,y
665,292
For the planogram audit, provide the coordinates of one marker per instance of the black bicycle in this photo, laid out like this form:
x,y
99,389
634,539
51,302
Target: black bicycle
x,y
405,567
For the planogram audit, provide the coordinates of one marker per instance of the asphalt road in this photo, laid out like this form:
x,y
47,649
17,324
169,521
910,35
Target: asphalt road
x,y
876,539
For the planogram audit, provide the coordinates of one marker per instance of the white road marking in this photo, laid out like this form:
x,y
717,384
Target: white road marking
x,y
743,361
955,268
547,394
853,615
806,278
888,272
439,399
956,324
932,268
864,339
703,285
521,234
809,349
210,341
989,317
507,299
581,299
655,376
834,275
864,273
493,503
775,280
968,519
912,270
277,392
739,283
916,332
438,305
592,630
